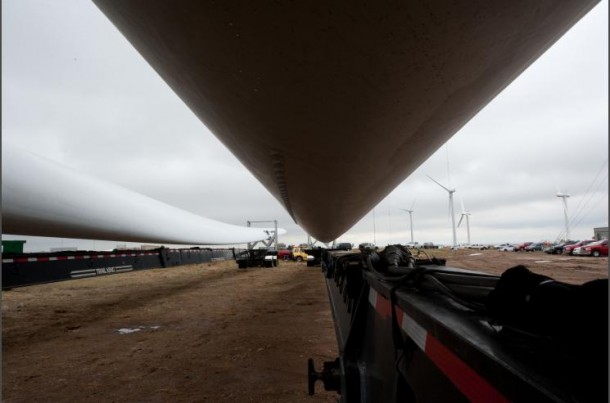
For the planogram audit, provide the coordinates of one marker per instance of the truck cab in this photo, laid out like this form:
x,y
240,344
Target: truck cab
x,y
299,254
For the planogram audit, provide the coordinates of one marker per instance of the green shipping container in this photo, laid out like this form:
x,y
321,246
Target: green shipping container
x,y
12,246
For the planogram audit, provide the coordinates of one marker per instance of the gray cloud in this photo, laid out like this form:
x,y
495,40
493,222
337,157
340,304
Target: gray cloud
x,y
75,90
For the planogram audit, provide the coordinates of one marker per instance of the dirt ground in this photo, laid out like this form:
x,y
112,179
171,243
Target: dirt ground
x,y
201,333
569,269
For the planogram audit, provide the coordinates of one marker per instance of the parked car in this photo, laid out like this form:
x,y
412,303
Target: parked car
x,y
534,247
569,249
506,248
413,245
344,246
520,247
478,246
558,248
429,245
599,248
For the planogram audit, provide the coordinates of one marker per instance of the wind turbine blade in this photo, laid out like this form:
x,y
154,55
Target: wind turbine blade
x,y
438,183
412,205
461,218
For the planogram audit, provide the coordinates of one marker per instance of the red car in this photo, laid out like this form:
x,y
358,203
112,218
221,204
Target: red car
x,y
520,247
569,249
596,249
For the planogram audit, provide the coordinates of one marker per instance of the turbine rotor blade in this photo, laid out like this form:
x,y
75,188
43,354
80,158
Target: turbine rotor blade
x,y
434,180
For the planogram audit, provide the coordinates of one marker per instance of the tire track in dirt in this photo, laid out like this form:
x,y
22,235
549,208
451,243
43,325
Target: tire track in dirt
x,y
219,334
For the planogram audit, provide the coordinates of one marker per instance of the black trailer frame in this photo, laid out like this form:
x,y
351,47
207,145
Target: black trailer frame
x,y
403,344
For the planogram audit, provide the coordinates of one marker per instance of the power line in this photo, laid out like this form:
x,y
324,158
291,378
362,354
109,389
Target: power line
x,y
582,209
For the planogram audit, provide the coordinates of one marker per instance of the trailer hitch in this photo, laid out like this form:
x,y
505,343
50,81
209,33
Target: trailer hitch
x,y
330,376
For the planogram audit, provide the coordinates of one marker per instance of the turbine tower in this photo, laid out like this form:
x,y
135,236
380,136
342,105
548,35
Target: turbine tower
x,y
467,215
451,210
410,211
564,197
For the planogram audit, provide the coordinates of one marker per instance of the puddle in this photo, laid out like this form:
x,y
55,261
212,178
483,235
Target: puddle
x,y
127,330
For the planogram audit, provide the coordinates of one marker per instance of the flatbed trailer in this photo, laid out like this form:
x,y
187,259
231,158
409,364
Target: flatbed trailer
x,y
23,269
401,338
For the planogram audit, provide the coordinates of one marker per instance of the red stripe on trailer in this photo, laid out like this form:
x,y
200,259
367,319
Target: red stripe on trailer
x,y
467,380
77,257
383,307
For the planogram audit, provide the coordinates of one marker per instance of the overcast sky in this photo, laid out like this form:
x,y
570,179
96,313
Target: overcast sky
x,y
74,90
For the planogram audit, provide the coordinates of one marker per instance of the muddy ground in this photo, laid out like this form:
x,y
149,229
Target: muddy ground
x,y
202,333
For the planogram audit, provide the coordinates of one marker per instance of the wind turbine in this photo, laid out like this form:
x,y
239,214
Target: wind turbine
x,y
467,215
410,211
451,210
564,197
